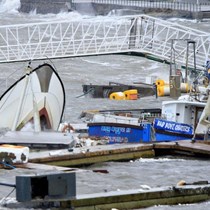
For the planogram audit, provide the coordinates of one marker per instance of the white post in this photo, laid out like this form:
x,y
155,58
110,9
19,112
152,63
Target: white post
x,y
37,126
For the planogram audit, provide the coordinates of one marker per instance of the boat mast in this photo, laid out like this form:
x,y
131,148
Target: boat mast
x,y
37,126
17,116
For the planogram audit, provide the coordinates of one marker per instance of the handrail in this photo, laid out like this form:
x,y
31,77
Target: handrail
x,y
138,33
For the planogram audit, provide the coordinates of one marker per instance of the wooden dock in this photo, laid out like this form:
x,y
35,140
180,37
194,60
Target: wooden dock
x,y
41,161
92,154
129,199
133,199
102,153
185,148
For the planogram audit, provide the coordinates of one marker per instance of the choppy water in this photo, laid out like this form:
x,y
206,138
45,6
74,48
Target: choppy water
x,y
151,173
101,70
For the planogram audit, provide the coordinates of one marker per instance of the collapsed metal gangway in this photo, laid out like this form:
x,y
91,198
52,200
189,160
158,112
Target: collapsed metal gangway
x,y
104,35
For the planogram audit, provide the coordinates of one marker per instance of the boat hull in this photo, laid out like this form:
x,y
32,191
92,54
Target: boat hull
x,y
116,132
143,133
40,91
104,91
171,131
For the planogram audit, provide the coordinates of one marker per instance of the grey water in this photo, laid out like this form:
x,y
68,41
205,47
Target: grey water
x,y
75,72
144,174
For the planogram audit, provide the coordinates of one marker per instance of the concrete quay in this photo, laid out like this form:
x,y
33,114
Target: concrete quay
x,y
44,7
102,7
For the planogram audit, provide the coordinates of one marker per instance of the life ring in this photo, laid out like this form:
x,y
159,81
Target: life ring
x,y
67,128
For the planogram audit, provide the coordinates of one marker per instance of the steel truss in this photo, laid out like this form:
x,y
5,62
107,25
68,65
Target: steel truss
x,y
103,35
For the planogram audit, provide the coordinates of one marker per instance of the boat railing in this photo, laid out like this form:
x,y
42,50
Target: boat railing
x,y
108,117
127,118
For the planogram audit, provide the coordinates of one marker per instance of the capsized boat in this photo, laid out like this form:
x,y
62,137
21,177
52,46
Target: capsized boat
x,y
106,91
37,99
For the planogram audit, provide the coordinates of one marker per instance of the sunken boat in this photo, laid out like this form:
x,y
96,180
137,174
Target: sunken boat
x,y
104,91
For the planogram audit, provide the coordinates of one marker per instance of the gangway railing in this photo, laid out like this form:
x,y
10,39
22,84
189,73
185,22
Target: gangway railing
x,y
104,35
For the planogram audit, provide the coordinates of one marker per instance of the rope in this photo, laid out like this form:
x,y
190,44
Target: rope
x,y
7,185
91,89
8,165
3,201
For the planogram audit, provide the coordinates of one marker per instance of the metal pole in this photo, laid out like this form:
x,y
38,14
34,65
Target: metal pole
x,y
194,57
172,43
186,69
7,185
193,42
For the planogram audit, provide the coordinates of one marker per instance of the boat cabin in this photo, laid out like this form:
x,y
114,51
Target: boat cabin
x,y
182,111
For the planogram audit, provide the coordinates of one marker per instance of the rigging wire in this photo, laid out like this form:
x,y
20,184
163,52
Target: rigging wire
x,y
11,90
10,75
51,63
91,89
3,201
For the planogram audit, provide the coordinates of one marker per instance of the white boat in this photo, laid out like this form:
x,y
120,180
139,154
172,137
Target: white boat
x,y
36,99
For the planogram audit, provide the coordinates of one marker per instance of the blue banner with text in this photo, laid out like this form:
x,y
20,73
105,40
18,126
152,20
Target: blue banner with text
x,y
173,126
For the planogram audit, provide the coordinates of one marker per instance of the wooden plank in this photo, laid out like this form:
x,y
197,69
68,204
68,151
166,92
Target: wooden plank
x,y
133,199
103,153
93,154
190,147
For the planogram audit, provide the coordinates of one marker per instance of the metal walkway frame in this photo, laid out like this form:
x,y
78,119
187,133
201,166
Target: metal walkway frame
x,y
104,35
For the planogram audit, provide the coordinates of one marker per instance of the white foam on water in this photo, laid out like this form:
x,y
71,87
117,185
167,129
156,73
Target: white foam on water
x,y
71,16
97,62
9,6
175,20
12,7
150,160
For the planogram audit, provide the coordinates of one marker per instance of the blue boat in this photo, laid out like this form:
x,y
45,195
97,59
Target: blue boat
x,y
178,120
117,132
144,133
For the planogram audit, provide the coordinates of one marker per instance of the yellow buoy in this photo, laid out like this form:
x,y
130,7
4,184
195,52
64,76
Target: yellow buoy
x,y
163,90
161,82
131,94
117,96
